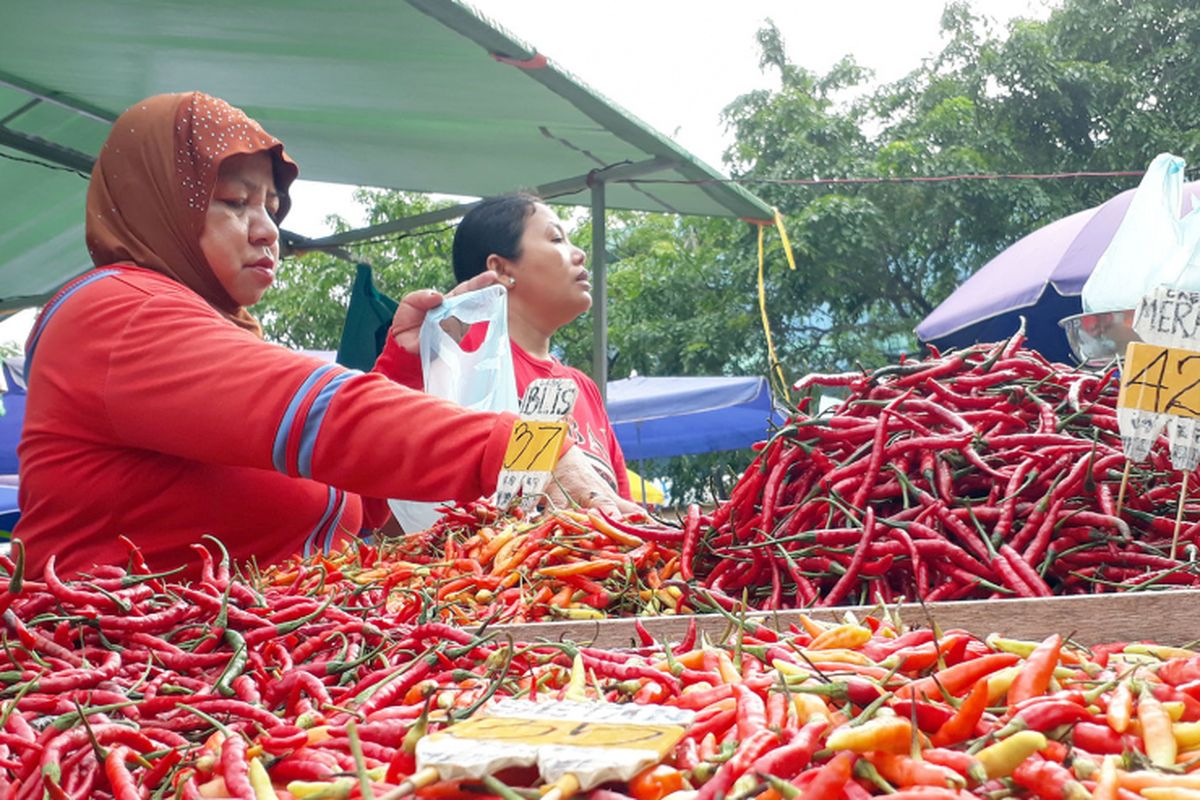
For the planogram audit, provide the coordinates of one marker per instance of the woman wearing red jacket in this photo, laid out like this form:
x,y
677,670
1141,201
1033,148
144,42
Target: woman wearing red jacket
x,y
157,411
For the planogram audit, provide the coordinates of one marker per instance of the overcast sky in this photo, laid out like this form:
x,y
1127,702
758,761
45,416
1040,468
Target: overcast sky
x,y
677,63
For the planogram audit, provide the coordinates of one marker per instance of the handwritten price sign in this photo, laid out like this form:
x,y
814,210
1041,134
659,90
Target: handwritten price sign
x,y
1161,380
658,738
534,446
536,440
594,743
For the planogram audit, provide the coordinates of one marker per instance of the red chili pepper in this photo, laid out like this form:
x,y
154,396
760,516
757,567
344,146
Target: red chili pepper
x,y
791,759
1097,739
929,717
691,537
1044,715
832,778
752,711
748,751
717,723
119,777
1048,780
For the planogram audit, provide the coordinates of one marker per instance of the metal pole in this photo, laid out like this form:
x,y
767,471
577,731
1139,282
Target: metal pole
x,y
599,293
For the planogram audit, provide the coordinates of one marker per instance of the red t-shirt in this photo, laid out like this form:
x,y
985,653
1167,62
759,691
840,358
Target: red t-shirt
x,y
590,429
151,415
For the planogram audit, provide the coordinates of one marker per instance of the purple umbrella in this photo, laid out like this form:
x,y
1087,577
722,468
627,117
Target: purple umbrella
x,y
1039,277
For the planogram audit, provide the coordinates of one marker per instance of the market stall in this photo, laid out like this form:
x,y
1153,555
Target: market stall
x,y
971,578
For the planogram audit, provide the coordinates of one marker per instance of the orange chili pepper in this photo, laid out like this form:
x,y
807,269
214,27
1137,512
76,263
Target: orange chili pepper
x,y
693,659
1034,678
883,734
904,771
726,669
1120,707
656,782
961,726
958,678
593,568
1107,784
562,598
1157,734
620,537
846,637
541,596
811,626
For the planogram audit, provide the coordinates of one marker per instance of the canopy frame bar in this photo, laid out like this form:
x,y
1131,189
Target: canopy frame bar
x,y
548,191
46,150
72,104
599,292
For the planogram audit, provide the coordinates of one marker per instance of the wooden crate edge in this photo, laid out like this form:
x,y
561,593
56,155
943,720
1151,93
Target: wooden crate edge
x,y
1166,617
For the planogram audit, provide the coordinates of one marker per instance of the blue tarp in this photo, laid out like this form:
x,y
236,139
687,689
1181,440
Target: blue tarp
x,y
13,398
661,417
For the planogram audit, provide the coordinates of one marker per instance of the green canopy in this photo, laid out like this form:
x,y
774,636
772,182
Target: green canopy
x,y
421,95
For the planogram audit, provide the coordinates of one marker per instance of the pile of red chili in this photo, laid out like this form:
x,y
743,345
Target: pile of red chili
x,y
475,565
988,472
125,685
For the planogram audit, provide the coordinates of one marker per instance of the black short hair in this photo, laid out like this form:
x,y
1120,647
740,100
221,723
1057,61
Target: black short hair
x,y
495,225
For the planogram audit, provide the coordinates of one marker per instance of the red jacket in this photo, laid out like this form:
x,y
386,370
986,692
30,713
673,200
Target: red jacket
x,y
591,429
151,415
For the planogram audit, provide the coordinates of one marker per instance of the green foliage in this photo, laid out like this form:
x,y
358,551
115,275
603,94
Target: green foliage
x,y
307,306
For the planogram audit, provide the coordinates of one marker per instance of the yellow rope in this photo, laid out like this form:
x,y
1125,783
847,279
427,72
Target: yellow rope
x,y
775,367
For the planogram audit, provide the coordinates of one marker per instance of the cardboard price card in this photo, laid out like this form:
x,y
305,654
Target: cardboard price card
x,y
593,742
1160,380
536,440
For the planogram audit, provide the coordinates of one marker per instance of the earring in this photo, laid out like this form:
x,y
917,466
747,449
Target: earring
x,y
512,281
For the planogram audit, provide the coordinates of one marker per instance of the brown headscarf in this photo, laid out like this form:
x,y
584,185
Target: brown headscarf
x,y
154,178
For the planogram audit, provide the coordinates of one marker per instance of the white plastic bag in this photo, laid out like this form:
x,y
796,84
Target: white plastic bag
x,y
1152,247
481,380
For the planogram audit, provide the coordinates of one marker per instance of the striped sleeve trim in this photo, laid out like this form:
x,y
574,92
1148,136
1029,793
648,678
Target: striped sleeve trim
x,y
310,541
297,410
312,422
334,524
56,304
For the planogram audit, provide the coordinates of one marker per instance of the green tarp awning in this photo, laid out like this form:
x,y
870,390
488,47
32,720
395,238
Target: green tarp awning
x,y
422,95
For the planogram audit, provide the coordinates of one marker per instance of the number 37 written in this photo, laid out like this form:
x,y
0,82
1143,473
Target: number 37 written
x,y
534,446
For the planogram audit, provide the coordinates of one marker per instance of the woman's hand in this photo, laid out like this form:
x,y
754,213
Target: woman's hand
x,y
406,324
575,478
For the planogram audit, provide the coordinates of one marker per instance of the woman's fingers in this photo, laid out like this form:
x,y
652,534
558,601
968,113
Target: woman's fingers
x,y
410,313
575,477
480,281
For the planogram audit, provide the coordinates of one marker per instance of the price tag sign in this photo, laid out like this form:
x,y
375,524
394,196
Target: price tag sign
x,y
536,441
534,446
594,742
656,738
1160,379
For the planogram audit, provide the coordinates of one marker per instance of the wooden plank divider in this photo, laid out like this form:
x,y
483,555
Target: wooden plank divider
x,y
1164,617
